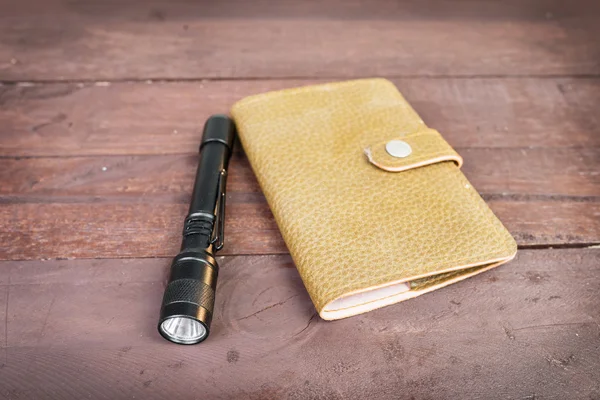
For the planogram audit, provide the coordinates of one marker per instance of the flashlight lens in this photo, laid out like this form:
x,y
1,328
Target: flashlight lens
x,y
183,330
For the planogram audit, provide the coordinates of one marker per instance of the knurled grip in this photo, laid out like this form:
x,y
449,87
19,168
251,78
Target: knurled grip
x,y
190,291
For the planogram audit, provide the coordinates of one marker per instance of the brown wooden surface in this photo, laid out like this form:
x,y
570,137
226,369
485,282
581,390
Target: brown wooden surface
x,y
530,147
101,108
79,329
167,117
66,40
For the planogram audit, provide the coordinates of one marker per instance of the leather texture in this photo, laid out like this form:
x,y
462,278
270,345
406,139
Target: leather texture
x,y
356,220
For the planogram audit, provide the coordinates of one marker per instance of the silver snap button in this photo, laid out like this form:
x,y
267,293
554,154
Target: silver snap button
x,y
398,148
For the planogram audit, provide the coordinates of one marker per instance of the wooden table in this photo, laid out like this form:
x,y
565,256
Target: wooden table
x,y
101,110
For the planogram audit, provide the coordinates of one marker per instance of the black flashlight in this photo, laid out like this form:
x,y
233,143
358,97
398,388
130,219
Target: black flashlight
x,y
187,306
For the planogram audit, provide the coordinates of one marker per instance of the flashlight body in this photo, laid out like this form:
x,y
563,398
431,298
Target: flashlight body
x,y
190,292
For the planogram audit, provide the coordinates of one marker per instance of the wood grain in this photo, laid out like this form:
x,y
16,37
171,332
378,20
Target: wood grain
x,y
139,229
525,330
551,172
151,10
530,147
162,118
75,40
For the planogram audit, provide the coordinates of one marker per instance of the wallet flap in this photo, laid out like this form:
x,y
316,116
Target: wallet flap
x,y
419,149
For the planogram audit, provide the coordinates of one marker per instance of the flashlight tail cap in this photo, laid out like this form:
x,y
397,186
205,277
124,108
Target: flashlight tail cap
x,y
219,128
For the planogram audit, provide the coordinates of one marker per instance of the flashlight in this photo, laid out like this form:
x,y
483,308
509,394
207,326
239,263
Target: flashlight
x,y
188,302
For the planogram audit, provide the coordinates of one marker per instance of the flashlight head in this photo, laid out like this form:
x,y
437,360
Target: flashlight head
x,y
189,299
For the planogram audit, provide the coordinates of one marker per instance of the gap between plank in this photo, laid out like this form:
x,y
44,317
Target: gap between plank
x,y
158,80
558,246
236,149
184,198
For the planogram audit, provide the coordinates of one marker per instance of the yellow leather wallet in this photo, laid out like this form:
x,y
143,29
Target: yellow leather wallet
x,y
370,201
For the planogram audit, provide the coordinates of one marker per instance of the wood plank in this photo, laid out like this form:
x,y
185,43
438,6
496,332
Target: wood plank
x,y
75,40
525,330
141,229
162,118
169,178
104,230
150,10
